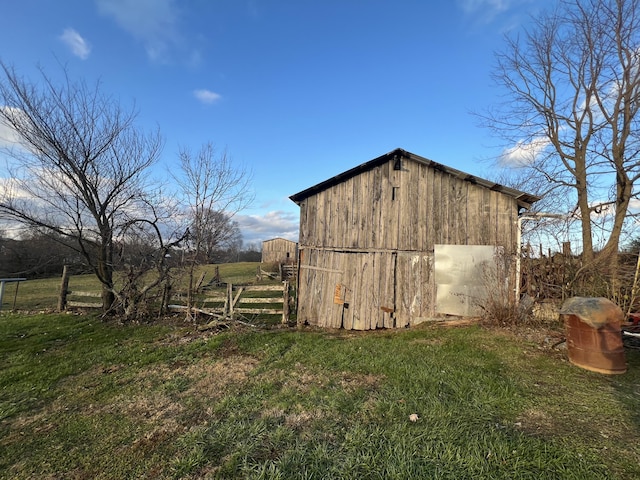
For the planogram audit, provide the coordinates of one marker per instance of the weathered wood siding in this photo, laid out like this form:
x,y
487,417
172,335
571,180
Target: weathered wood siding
x,y
408,210
279,250
373,236
352,290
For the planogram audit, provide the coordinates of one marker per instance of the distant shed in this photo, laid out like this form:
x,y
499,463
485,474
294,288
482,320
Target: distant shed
x,y
279,250
372,239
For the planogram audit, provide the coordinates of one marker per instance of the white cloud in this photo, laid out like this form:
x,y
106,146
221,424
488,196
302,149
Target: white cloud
x,y
634,204
474,6
277,223
10,187
8,136
78,45
153,22
510,12
524,153
206,96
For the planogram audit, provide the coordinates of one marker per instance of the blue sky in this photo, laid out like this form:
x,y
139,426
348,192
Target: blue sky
x,y
296,91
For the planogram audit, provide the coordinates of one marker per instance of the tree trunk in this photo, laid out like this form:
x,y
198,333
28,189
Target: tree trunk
x,y
610,250
585,211
105,273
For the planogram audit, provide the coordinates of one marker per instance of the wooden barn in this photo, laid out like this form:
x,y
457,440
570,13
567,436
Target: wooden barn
x,y
279,250
398,240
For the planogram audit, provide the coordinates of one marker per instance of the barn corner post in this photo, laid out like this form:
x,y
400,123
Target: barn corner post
x,y
64,289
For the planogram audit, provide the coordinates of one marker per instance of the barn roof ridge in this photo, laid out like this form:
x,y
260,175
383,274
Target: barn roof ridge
x,y
523,198
279,238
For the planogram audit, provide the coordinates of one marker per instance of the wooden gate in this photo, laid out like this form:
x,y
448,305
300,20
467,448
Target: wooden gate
x,y
242,300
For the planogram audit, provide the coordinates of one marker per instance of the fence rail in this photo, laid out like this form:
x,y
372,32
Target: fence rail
x,y
80,304
237,301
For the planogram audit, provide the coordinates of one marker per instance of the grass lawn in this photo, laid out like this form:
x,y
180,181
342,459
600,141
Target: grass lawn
x,y
83,399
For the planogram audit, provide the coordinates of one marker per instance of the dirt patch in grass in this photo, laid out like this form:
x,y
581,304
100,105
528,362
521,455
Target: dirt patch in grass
x,y
212,378
303,380
432,342
536,422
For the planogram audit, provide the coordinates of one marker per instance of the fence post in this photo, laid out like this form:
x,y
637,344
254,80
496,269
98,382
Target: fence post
x,y
285,302
15,297
166,298
64,289
229,301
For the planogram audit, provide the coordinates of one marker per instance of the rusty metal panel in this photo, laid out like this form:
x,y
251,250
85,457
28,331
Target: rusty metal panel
x,y
461,273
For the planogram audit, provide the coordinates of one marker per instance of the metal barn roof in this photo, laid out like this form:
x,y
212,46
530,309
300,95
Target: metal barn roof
x,y
524,199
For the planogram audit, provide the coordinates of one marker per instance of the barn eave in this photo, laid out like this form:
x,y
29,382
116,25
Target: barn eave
x,y
525,200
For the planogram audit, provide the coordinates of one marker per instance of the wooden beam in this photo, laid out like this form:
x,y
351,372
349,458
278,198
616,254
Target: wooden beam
x,y
309,267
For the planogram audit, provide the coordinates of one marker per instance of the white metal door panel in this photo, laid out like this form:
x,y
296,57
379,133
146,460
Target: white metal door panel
x,y
461,273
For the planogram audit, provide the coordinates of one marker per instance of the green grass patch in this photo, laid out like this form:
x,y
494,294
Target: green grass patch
x,y
84,399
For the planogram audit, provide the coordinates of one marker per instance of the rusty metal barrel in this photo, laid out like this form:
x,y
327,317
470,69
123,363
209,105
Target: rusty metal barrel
x,y
594,338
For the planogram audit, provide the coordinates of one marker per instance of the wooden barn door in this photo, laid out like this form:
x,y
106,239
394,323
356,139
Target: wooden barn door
x,y
414,288
365,293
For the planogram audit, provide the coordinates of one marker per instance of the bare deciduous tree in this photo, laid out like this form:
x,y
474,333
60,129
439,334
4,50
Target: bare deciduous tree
x,y
218,231
214,190
571,115
79,166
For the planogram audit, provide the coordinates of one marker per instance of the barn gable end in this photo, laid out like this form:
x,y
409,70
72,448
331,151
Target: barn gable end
x,y
367,238
279,250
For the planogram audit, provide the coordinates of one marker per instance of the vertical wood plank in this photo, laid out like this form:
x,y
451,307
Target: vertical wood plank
x,y
377,208
366,225
429,282
393,208
438,217
411,179
423,222
303,228
431,219
357,211
312,221
474,215
486,221
507,223
460,205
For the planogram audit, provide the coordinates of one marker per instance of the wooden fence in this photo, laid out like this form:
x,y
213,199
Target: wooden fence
x,y
234,302
243,300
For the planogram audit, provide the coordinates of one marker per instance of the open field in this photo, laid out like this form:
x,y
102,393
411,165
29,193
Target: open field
x,y
85,399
